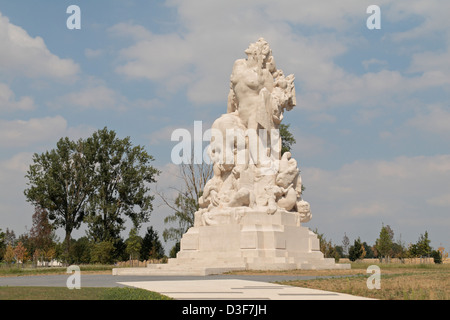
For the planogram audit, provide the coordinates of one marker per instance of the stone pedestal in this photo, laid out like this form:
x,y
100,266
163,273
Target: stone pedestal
x,y
248,240
256,241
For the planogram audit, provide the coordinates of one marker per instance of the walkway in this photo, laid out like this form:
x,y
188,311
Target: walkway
x,y
236,289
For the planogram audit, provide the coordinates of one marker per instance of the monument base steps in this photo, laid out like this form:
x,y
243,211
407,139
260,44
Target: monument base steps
x,y
222,248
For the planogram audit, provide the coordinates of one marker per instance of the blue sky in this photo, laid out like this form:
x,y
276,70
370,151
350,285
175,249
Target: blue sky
x,y
372,120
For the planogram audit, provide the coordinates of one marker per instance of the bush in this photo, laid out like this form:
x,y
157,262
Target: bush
x,y
356,251
102,252
436,255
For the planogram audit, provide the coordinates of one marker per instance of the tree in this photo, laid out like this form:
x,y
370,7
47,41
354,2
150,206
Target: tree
x,y
423,245
60,181
42,236
194,177
9,254
174,250
444,254
437,257
287,139
101,252
10,237
21,253
398,250
151,246
383,244
2,244
368,250
122,174
134,244
326,247
345,243
184,209
81,251
421,248
356,251
339,251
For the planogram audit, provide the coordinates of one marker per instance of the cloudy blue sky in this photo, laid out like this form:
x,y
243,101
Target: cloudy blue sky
x,y
372,120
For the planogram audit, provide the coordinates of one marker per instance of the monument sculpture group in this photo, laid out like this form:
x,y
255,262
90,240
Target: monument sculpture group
x,y
252,209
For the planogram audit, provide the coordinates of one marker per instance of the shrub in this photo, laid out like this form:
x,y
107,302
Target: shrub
x,y
436,255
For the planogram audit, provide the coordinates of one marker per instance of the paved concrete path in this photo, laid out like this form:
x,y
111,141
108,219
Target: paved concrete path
x,y
236,289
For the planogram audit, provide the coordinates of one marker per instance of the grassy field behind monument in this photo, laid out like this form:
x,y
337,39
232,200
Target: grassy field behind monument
x,y
398,282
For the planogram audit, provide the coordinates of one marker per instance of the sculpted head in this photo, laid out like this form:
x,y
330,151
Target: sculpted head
x,y
259,51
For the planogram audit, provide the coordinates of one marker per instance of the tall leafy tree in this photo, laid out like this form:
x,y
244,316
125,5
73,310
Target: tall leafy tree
x,y
423,245
121,179
184,208
42,236
345,244
2,244
356,251
151,246
60,181
134,244
383,244
9,254
287,139
194,177
21,253
10,237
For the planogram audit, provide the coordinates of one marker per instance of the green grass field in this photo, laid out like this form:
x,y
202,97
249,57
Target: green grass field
x,y
28,271
62,293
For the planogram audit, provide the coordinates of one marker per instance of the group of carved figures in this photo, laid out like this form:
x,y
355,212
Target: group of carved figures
x,y
261,179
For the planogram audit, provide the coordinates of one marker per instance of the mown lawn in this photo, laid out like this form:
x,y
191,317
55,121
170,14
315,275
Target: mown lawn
x,y
63,293
28,271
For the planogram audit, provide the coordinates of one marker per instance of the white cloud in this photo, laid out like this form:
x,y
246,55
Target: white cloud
x,y
8,100
307,145
161,136
432,16
21,54
161,58
20,133
126,30
374,62
93,53
435,120
200,57
19,164
322,118
38,132
440,201
96,96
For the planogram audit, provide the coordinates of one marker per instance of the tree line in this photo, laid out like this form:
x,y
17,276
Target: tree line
x,y
102,181
99,182
384,248
40,245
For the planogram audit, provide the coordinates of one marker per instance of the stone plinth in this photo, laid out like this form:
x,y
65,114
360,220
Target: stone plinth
x,y
254,241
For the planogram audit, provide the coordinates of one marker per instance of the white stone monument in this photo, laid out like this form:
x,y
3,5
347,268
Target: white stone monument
x,y
251,211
